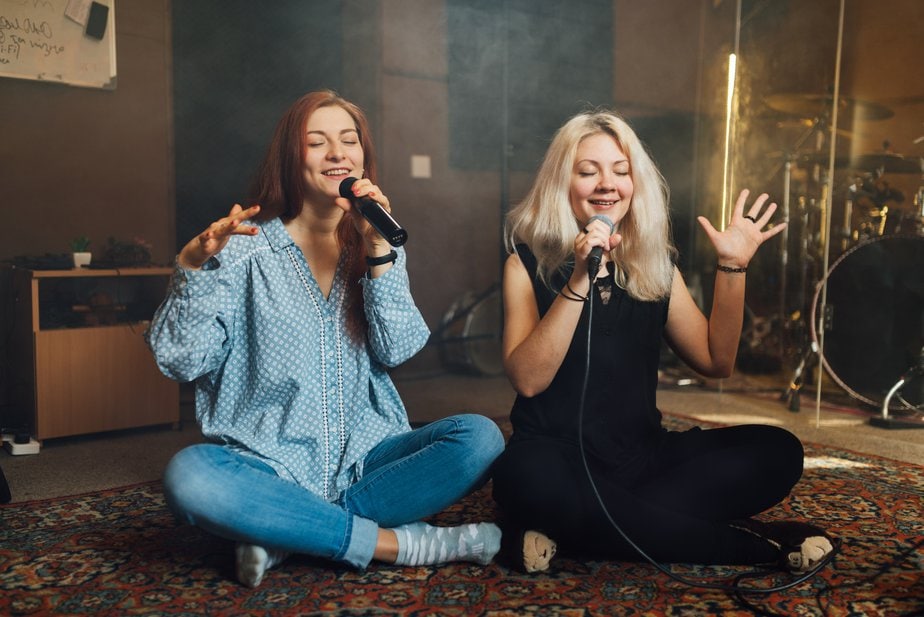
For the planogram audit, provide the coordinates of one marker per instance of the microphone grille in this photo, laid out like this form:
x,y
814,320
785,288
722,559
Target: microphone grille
x,y
346,185
596,217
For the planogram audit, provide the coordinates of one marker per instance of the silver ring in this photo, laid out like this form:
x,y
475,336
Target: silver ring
x,y
750,218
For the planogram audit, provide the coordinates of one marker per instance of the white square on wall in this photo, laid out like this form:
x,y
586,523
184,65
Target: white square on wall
x,y
420,166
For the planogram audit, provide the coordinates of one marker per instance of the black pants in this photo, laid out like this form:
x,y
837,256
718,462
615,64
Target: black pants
x,y
677,510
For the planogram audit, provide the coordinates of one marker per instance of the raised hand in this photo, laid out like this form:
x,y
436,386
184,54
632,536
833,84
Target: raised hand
x,y
210,242
738,242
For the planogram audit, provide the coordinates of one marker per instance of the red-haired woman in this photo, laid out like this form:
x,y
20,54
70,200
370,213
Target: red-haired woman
x,y
287,315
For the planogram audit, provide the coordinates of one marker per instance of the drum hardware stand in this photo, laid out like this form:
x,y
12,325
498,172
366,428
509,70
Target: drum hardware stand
x,y
847,228
791,394
465,312
808,348
460,313
818,123
784,251
885,420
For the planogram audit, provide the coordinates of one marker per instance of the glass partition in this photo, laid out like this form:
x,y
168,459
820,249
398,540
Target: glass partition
x,y
815,103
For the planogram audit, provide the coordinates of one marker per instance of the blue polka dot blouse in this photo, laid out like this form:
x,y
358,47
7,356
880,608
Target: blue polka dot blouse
x,y
277,374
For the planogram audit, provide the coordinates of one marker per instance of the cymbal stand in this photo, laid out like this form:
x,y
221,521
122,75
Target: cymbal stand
x,y
791,394
784,250
846,227
807,347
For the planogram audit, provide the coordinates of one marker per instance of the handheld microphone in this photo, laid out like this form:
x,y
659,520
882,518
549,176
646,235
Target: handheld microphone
x,y
596,253
373,212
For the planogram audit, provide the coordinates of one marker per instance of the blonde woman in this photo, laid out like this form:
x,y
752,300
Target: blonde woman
x,y
680,496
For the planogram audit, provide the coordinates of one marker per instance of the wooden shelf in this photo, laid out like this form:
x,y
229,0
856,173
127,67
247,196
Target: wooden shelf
x,y
79,360
93,272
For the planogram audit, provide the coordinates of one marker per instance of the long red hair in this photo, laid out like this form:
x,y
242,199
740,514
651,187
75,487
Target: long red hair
x,y
279,187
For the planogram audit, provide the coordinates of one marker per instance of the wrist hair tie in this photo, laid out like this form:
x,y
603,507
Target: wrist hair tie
x,y
575,296
391,256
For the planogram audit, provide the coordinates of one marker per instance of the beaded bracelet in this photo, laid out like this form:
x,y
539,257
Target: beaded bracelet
x,y
722,268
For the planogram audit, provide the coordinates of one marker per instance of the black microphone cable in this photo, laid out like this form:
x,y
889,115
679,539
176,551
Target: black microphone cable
x,y
733,588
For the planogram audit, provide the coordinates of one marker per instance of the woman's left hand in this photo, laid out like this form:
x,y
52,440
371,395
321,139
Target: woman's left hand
x,y
375,244
737,243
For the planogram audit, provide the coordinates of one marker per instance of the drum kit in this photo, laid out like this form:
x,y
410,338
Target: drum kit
x,y
866,313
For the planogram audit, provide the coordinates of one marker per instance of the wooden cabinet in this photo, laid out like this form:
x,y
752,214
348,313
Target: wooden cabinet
x,y
77,358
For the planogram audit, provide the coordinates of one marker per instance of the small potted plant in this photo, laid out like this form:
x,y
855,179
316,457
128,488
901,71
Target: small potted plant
x,y
80,247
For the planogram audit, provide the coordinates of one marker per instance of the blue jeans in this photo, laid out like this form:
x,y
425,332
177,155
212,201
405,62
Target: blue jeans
x,y
406,478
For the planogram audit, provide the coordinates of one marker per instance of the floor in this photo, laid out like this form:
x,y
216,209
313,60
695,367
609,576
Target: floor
x,y
837,421
75,465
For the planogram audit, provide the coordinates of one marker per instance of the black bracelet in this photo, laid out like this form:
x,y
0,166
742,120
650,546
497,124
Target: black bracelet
x,y
575,297
567,297
384,259
722,268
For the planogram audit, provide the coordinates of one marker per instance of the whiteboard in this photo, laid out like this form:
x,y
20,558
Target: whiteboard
x,y
43,40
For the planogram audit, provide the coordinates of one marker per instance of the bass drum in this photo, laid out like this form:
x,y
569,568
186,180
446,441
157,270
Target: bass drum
x,y
874,326
470,334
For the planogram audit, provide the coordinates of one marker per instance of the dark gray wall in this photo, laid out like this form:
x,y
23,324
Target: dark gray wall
x,y
462,82
238,66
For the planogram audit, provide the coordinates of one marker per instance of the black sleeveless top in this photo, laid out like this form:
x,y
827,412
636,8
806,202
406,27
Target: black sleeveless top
x,y
622,424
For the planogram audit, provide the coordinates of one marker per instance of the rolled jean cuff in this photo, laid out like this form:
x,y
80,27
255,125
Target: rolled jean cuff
x,y
364,536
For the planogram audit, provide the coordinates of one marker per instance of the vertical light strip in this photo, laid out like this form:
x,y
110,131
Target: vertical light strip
x,y
729,112
826,215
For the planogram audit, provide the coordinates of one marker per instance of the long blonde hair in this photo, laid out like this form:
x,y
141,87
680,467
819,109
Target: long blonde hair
x,y
545,221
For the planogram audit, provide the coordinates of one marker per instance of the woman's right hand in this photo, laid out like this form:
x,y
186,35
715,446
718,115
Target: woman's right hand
x,y
211,241
595,233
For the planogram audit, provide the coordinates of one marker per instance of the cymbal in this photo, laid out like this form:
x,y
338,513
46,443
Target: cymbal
x,y
889,162
815,105
883,161
841,161
806,123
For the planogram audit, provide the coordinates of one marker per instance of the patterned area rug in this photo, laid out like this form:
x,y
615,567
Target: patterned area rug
x,y
119,552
